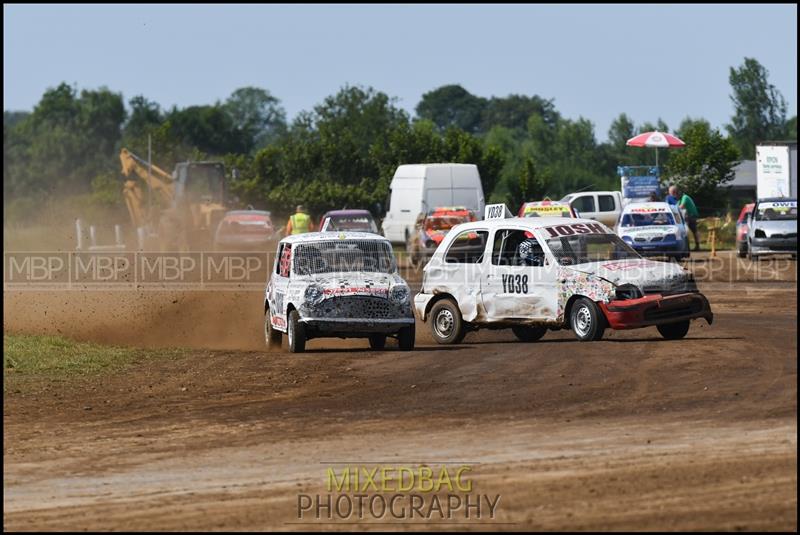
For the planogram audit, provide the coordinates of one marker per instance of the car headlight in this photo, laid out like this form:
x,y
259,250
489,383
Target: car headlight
x,y
399,294
314,294
670,237
759,233
627,291
627,239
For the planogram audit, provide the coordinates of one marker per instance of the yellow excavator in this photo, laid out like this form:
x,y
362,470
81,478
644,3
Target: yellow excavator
x,y
178,211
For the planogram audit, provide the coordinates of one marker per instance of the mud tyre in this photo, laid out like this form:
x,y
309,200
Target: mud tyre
x,y
296,333
528,333
674,331
447,325
586,320
272,336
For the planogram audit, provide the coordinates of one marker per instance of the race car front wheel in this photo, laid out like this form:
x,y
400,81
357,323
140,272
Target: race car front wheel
x,y
674,331
377,341
406,338
586,320
527,333
271,336
447,326
296,333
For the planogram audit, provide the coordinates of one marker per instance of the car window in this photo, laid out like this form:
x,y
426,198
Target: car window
x,y
514,247
342,256
584,204
606,203
467,247
285,262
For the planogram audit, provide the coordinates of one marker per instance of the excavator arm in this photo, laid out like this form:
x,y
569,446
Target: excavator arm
x,y
158,180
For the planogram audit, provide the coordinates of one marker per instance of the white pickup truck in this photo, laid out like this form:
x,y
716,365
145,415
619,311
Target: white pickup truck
x,y
602,206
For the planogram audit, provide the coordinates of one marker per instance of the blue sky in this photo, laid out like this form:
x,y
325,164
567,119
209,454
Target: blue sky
x,y
595,61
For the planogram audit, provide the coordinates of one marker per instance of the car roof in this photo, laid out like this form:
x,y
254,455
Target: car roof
x,y
654,204
526,222
247,212
778,199
331,236
354,211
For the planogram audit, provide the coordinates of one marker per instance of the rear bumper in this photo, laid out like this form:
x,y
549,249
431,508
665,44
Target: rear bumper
x,y
773,245
656,310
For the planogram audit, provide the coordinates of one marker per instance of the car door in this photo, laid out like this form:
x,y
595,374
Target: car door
x,y
514,288
458,270
608,209
585,205
278,286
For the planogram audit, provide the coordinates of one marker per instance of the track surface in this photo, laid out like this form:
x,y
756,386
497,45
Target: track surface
x,y
632,432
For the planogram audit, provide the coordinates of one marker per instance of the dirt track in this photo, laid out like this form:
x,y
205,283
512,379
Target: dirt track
x,y
629,433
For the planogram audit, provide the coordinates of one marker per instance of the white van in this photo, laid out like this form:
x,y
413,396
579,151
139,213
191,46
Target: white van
x,y
602,206
418,188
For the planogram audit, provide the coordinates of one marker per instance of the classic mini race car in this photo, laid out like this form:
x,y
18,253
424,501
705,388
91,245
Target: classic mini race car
x,y
343,285
772,228
654,229
535,274
546,208
431,228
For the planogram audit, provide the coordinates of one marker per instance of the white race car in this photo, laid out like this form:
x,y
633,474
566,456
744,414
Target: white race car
x,y
535,274
343,285
654,229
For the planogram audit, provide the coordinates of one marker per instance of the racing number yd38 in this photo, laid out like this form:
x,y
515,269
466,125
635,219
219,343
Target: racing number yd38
x,y
535,274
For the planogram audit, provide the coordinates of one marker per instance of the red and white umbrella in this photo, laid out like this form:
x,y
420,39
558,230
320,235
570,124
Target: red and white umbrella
x,y
656,140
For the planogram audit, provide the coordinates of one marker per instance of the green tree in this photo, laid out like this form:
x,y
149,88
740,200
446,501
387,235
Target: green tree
x,y
791,129
704,165
513,111
257,114
759,108
452,106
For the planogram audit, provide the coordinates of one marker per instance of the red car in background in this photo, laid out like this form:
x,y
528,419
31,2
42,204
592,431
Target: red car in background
x,y
245,230
431,228
742,228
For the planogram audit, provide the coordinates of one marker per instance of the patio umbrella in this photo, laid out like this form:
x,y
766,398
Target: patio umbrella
x,y
656,140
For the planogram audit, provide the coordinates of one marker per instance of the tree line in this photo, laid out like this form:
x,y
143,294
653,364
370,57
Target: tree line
x,y
343,152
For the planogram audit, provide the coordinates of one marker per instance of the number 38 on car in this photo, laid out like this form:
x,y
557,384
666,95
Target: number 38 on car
x,y
535,274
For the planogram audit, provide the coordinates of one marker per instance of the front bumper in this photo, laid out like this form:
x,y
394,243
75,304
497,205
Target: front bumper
x,y
773,245
656,310
354,327
658,248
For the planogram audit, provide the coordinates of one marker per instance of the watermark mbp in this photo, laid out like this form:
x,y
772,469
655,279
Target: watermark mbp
x,y
398,493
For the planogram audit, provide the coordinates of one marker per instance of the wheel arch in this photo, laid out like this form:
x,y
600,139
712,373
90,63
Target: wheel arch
x,y
436,298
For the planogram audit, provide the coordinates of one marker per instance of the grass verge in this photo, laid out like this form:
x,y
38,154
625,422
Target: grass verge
x,y
56,356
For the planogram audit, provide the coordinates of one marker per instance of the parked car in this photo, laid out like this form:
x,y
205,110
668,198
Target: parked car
x,y
418,188
431,228
348,220
245,230
535,274
742,225
546,208
773,228
602,206
655,229
343,285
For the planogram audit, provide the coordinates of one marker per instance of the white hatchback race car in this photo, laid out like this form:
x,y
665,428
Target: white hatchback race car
x,y
654,229
344,285
535,274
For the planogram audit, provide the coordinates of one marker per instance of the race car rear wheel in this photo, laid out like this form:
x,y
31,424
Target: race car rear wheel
x,y
406,338
586,320
296,333
272,337
674,331
528,333
377,341
447,326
